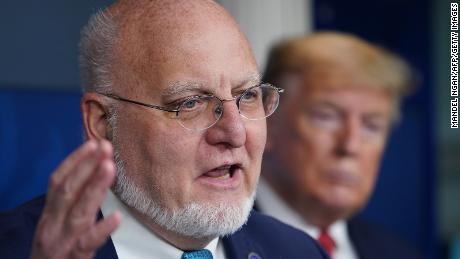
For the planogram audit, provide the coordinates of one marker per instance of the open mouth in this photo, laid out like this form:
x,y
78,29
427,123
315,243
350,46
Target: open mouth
x,y
223,172
223,177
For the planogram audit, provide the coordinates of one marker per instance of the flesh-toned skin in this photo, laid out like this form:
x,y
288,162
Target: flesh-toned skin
x,y
329,148
77,187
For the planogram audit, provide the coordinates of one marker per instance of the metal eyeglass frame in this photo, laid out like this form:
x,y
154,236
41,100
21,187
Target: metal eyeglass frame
x,y
177,110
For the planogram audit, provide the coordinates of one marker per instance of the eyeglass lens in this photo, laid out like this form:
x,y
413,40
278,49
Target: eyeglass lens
x,y
202,112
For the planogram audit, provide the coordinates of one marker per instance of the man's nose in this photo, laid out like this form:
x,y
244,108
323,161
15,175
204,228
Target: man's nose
x,y
230,129
349,138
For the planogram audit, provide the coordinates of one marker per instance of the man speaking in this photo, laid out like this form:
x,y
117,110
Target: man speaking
x,y
174,113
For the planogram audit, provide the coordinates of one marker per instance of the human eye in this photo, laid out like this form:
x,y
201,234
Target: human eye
x,y
251,94
324,118
323,114
374,127
192,103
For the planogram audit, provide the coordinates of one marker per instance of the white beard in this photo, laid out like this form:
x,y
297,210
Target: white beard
x,y
195,219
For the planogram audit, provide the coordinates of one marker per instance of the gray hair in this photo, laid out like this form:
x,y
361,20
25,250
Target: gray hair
x,y
96,45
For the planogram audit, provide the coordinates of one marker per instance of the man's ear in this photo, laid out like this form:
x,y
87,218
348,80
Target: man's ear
x,y
95,116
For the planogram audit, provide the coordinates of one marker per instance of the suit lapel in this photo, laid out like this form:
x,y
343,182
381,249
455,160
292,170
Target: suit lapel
x,y
107,251
240,245
362,240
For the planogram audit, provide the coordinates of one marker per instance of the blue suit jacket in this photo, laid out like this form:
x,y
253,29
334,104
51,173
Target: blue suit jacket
x,y
262,236
374,242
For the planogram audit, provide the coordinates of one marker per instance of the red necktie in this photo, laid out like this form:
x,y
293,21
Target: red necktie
x,y
326,242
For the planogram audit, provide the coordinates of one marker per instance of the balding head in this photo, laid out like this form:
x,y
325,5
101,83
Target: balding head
x,y
122,44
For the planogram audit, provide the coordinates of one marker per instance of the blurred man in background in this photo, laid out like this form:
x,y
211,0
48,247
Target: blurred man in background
x,y
326,143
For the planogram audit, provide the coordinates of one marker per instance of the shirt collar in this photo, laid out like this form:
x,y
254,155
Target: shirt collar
x,y
271,204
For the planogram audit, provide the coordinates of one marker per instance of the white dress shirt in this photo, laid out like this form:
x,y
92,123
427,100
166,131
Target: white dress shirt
x,y
133,240
271,204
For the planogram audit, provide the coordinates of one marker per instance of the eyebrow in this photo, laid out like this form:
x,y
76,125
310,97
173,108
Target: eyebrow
x,y
327,104
184,86
181,86
255,78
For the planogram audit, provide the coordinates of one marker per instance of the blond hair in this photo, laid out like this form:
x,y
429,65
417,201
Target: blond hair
x,y
361,62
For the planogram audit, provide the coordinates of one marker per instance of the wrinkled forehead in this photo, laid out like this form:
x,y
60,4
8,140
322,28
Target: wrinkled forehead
x,y
156,48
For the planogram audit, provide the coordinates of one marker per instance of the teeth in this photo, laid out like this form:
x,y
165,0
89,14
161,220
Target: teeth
x,y
226,167
223,177
220,173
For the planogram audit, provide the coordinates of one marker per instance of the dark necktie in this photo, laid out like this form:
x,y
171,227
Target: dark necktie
x,y
326,242
197,254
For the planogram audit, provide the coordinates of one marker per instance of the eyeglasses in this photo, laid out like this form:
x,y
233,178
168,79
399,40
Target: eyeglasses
x,y
201,112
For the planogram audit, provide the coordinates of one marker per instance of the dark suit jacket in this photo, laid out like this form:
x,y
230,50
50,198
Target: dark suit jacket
x,y
262,235
374,242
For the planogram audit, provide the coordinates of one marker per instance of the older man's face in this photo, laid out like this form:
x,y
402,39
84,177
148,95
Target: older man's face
x,y
333,143
176,167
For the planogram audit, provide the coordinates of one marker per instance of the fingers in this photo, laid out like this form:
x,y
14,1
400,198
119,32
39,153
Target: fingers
x,y
95,238
67,227
85,170
84,246
69,163
67,181
83,212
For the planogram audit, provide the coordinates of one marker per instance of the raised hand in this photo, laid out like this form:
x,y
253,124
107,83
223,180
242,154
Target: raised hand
x,y
68,228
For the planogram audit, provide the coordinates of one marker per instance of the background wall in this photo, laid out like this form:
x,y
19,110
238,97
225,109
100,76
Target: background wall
x,y
39,42
267,21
